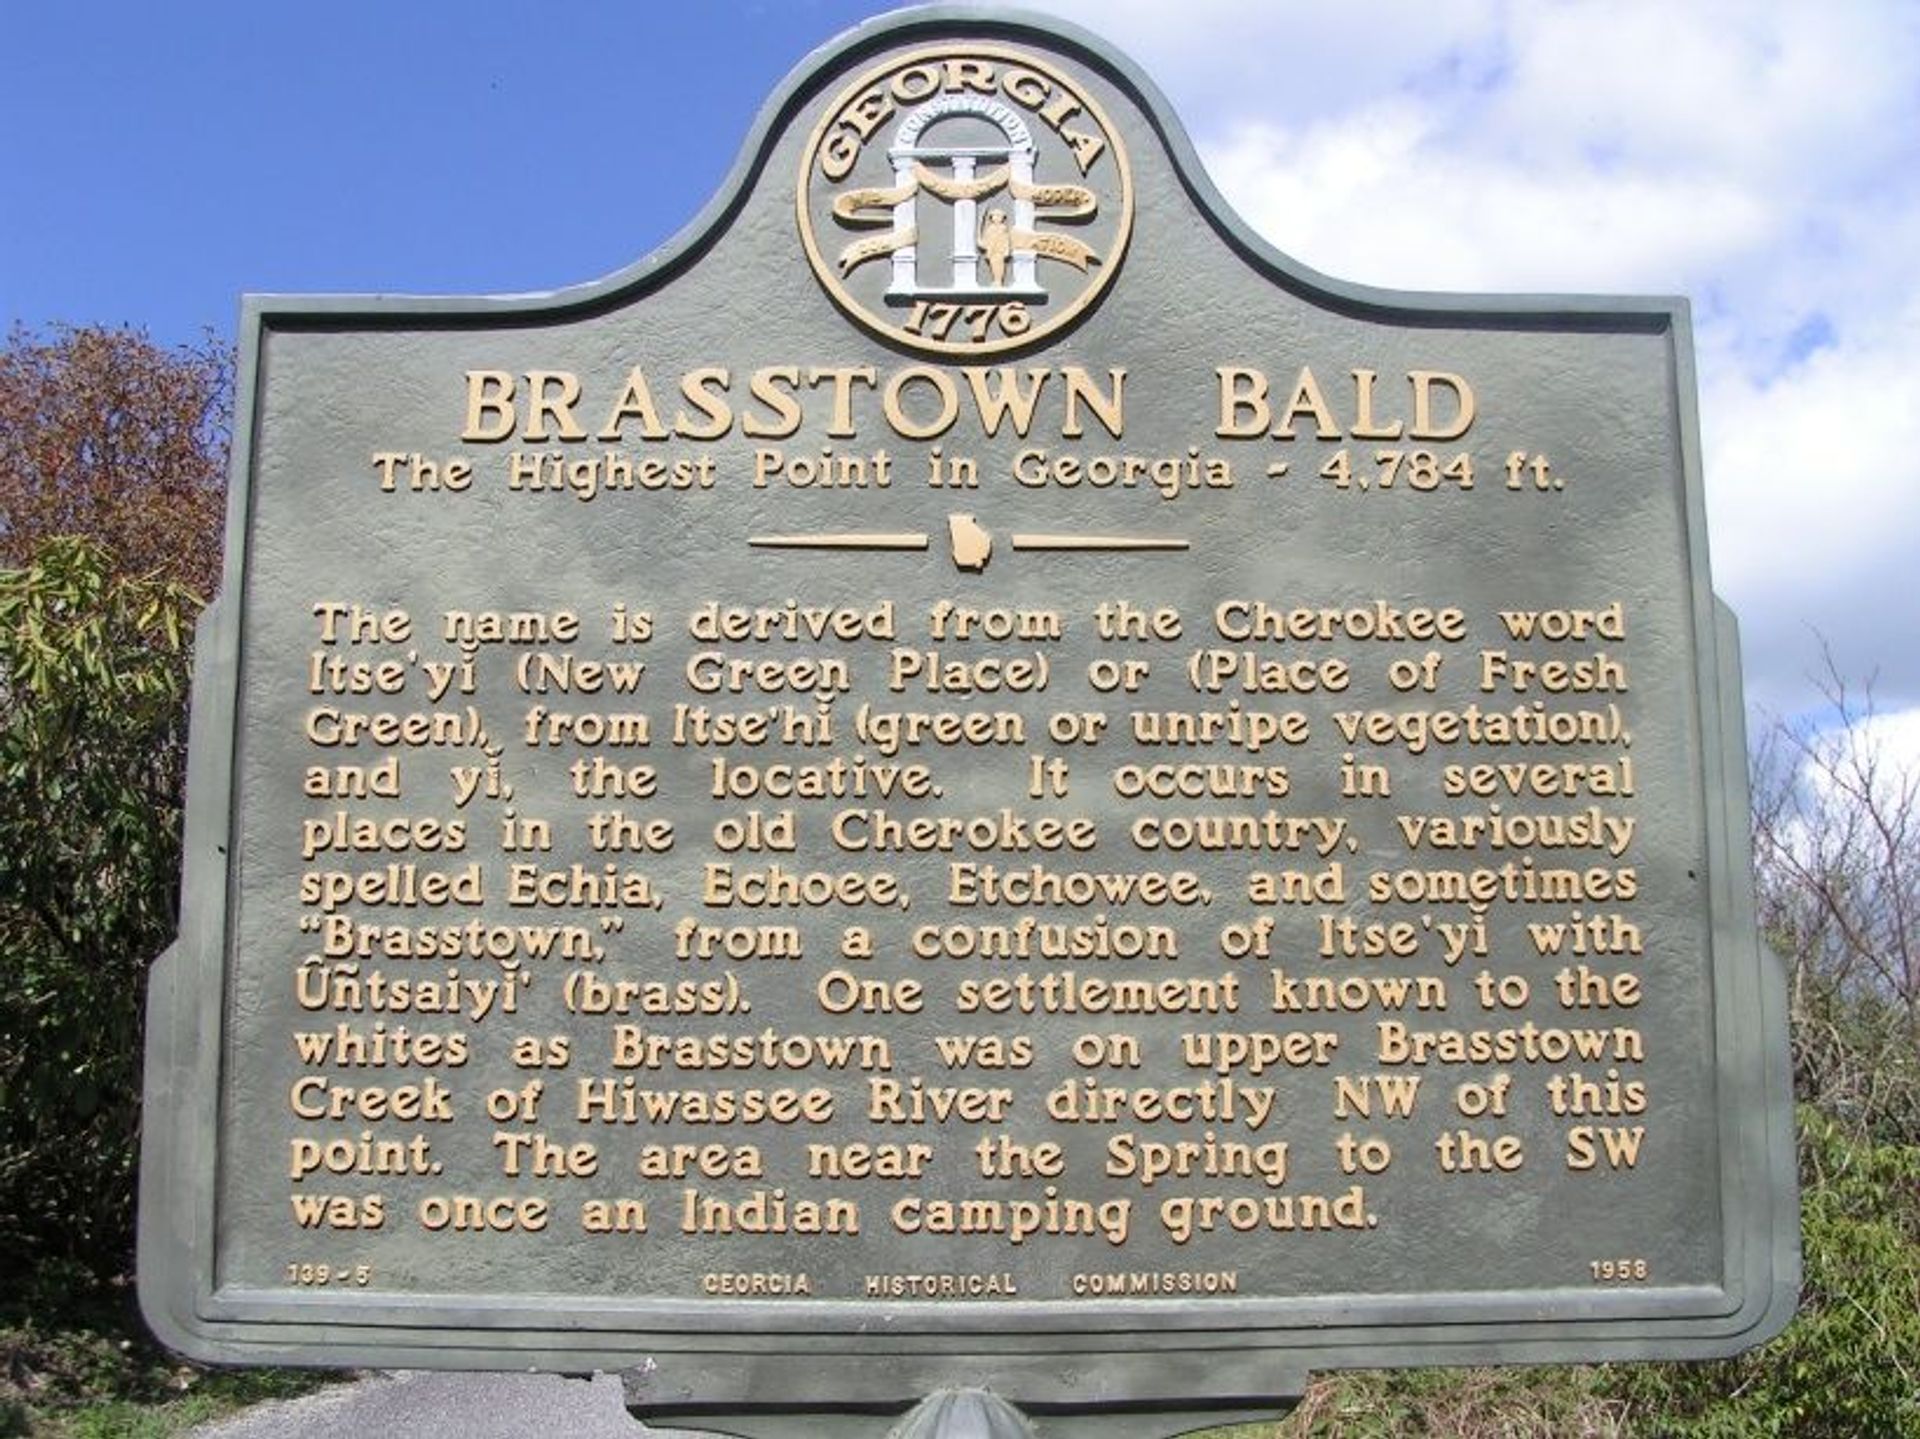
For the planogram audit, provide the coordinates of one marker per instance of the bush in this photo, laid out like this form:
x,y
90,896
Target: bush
x,y
105,434
93,686
1836,831
113,454
1848,1366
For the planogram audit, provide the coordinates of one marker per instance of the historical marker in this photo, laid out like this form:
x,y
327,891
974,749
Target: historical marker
x,y
967,777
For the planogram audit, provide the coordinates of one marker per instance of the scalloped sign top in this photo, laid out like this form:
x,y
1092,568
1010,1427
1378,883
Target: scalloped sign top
x,y
966,778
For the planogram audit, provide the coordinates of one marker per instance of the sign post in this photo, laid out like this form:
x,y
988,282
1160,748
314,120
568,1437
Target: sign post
x,y
968,780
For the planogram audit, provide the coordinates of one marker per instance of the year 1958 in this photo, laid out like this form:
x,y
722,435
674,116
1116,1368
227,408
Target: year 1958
x,y
1618,1271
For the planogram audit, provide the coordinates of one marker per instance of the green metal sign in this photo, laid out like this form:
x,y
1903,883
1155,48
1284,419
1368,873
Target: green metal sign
x,y
966,777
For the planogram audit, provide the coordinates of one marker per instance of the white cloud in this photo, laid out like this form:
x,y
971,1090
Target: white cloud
x,y
1761,156
1812,498
1896,737
1374,197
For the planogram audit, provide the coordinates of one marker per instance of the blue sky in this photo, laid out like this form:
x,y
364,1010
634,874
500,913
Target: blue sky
x,y
180,155
1760,156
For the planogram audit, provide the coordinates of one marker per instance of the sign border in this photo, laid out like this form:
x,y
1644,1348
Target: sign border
x,y
889,1352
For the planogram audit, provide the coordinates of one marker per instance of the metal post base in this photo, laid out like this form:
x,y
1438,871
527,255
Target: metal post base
x,y
995,1396
944,1414
963,1414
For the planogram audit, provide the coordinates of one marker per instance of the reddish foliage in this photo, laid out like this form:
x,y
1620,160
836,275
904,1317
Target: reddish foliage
x,y
104,433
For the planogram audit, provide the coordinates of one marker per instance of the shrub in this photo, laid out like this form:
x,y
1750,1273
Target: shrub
x,y
93,684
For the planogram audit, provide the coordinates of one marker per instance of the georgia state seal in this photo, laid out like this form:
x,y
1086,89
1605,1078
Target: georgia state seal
x,y
965,200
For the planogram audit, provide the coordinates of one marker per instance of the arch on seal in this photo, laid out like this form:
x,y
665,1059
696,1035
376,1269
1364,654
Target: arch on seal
x,y
961,162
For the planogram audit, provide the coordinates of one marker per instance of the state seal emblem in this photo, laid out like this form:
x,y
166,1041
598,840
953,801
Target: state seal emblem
x,y
966,200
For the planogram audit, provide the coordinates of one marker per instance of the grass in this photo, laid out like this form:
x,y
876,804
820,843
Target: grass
x,y
76,1363
1562,1403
